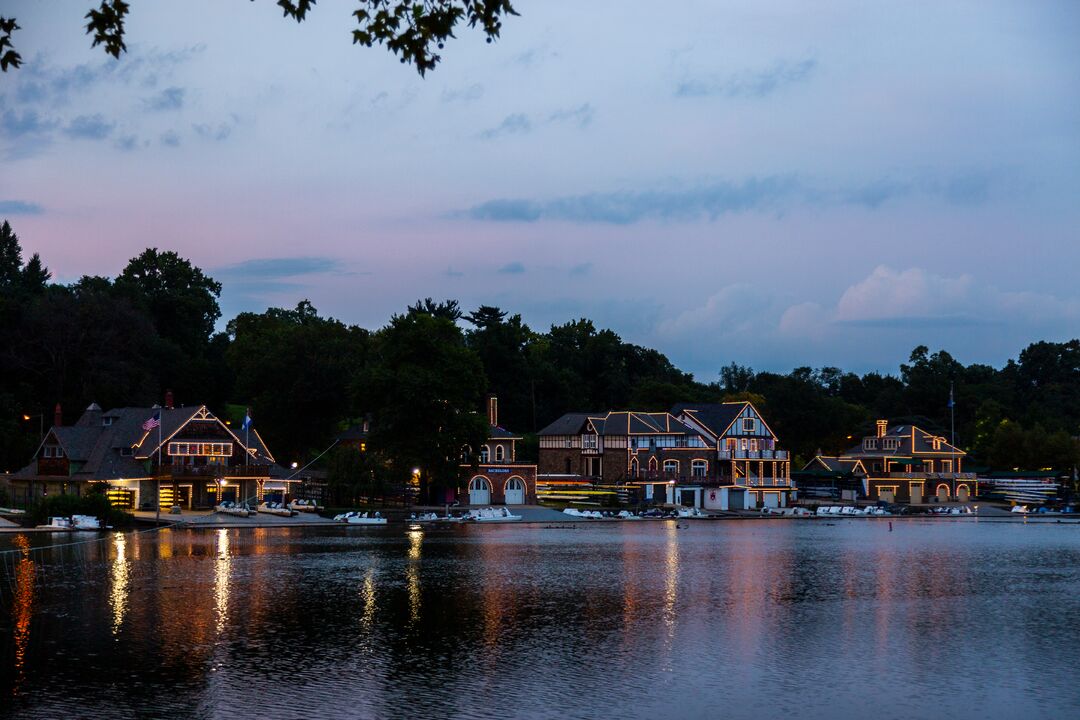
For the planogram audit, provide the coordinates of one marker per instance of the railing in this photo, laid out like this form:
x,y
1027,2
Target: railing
x,y
739,454
678,479
215,471
919,475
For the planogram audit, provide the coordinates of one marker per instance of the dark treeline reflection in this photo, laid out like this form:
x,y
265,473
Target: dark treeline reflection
x,y
631,620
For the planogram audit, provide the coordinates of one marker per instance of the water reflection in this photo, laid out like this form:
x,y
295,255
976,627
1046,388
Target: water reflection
x,y
222,568
632,621
120,574
22,609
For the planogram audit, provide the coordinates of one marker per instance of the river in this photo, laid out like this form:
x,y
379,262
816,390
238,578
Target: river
x,y
736,619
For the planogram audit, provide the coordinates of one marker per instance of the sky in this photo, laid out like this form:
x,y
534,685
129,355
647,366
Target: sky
x,y
775,184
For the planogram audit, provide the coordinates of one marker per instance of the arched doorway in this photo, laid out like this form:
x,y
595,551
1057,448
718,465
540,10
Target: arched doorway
x,y
943,493
962,493
514,492
633,468
479,491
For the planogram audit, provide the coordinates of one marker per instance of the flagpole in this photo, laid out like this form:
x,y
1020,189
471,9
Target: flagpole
x,y
157,515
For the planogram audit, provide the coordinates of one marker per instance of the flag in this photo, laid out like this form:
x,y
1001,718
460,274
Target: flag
x,y
247,421
952,403
153,422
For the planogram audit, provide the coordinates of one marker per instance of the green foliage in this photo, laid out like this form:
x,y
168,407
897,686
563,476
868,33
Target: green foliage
x,y
294,368
422,384
412,30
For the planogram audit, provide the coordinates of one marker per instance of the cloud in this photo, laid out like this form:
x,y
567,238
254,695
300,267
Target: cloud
x,y
170,138
515,124
18,207
581,269
276,268
171,98
468,94
514,268
452,273
89,127
217,133
915,298
581,115
752,84
127,143
29,122
711,200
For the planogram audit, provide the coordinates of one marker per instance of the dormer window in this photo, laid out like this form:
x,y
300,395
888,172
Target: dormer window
x,y
937,443
869,444
890,443
127,452
107,421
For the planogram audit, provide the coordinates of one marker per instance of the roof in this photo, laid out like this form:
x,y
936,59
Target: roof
x,y
716,417
568,424
96,439
913,441
501,433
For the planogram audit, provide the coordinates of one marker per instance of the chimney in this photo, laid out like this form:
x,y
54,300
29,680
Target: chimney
x,y
493,410
58,416
168,400
882,427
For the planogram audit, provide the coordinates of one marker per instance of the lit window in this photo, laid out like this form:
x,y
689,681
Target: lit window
x,y
699,468
484,454
500,453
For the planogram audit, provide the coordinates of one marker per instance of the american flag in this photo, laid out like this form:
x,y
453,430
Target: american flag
x,y
151,423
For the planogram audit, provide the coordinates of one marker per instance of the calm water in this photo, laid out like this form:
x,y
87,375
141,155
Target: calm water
x,y
752,619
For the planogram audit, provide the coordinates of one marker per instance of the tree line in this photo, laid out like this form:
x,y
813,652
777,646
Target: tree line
x,y
123,341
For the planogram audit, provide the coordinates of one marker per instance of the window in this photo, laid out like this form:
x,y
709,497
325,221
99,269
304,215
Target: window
x,y
671,466
201,449
106,421
753,444
127,452
869,444
484,454
749,425
500,453
743,443
589,442
699,468
890,443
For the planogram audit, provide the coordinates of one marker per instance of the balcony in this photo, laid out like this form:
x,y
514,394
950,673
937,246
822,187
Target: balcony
x,y
214,471
920,475
739,454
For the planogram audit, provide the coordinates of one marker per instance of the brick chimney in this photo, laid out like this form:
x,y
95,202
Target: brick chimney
x,y
882,428
493,410
168,400
58,416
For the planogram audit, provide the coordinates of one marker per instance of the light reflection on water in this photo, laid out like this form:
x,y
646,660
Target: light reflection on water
x,y
740,619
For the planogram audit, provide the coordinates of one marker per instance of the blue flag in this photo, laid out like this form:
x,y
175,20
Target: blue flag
x,y
247,420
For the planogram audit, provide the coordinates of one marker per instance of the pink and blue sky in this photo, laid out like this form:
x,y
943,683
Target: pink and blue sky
x,y
770,183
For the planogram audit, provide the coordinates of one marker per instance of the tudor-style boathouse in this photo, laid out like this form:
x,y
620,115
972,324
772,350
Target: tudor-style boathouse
x,y
194,456
717,456
904,464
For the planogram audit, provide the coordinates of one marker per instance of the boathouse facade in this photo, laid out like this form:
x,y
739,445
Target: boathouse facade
x,y
195,458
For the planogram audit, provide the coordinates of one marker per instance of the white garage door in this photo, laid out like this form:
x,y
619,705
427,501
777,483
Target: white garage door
x,y
772,500
479,491
515,491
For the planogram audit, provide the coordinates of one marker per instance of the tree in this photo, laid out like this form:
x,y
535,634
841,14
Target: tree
x,y
295,369
413,30
422,385
181,300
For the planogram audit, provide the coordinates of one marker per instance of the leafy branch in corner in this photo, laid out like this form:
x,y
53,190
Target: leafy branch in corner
x,y
414,30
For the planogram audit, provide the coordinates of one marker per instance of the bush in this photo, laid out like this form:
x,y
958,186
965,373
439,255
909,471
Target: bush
x,y
93,503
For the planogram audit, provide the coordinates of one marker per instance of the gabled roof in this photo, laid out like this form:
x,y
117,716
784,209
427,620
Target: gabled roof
x,y
834,464
913,441
499,433
715,417
96,446
569,424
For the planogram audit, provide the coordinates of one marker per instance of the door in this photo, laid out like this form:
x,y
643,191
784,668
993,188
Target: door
x,y
515,491
943,493
916,493
962,493
772,500
479,491
886,494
